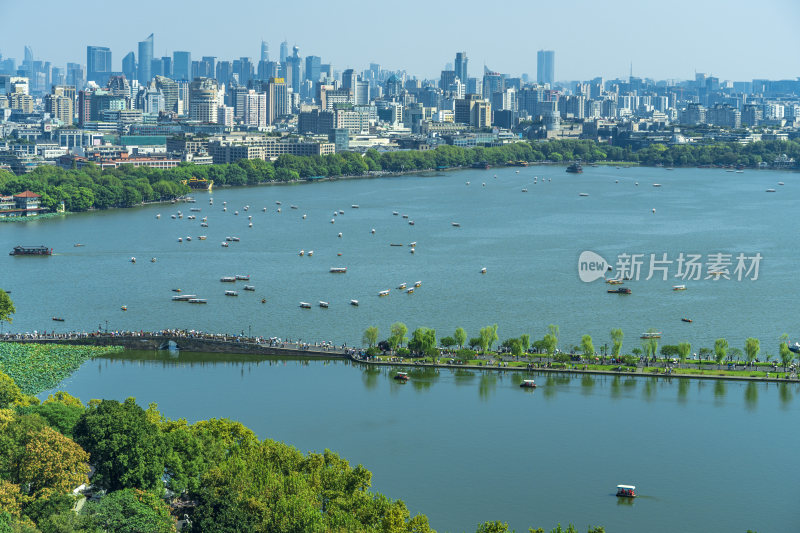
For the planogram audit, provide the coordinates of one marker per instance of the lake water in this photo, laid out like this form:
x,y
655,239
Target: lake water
x,y
465,447
528,242
461,448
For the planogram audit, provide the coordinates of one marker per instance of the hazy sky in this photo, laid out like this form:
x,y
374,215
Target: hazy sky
x,y
731,39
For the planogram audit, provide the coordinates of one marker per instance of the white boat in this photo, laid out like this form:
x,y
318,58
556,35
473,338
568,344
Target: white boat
x,y
333,220
340,235
310,253
224,244
338,270
679,287
467,183
455,224
235,239
158,215
656,185
405,216
395,213
401,286
341,212
780,183
236,212
410,290
242,277
202,237
418,284
183,297
246,207
173,217
412,244
322,304
302,252
372,231
203,224
228,279
293,206
354,303
304,217
583,194
354,206
524,190
197,301
231,293
264,209
384,293
180,239
637,183
413,250
305,305
277,203
249,287
195,209
410,222
483,270
251,225
770,190
188,238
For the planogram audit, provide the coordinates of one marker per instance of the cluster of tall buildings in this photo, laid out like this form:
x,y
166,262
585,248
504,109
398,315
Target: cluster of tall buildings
x,y
357,108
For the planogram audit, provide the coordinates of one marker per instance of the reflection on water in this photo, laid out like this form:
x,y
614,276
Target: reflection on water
x,y
487,385
423,378
785,394
625,502
751,395
649,390
587,384
719,392
683,390
370,376
462,376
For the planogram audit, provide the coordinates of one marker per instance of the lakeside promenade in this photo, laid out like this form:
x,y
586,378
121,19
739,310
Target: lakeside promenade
x,y
197,341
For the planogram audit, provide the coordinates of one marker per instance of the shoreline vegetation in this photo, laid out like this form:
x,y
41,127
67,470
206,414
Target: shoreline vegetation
x,y
152,474
89,188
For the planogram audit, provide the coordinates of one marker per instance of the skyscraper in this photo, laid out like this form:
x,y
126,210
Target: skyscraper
x,y
145,59
313,68
293,70
284,51
129,66
181,65
98,64
264,51
545,66
461,66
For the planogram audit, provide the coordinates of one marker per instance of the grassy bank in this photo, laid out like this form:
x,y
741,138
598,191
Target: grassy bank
x,y
39,367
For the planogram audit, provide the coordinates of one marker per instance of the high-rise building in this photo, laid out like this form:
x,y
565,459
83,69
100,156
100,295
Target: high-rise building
x,y
76,75
492,83
224,72
145,60
293,70
313,68
284,51
181,65
545,67
166,65
461,66
168,88
267,70
208,67
278,102
255,109
243,68
60,104
446,79
98,64
129,66
264,51
203,100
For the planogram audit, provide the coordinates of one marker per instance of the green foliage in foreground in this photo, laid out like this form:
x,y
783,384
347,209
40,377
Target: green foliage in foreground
x,y
38,367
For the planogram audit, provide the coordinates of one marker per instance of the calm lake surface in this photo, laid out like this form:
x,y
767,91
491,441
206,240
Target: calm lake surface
x,y
462,448
528,242
465,447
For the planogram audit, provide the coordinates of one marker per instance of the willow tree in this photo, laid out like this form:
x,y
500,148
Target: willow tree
x,y
720,351
751,348
684,349
616,341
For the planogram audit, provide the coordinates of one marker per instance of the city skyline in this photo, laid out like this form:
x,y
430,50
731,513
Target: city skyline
x,y
697,37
